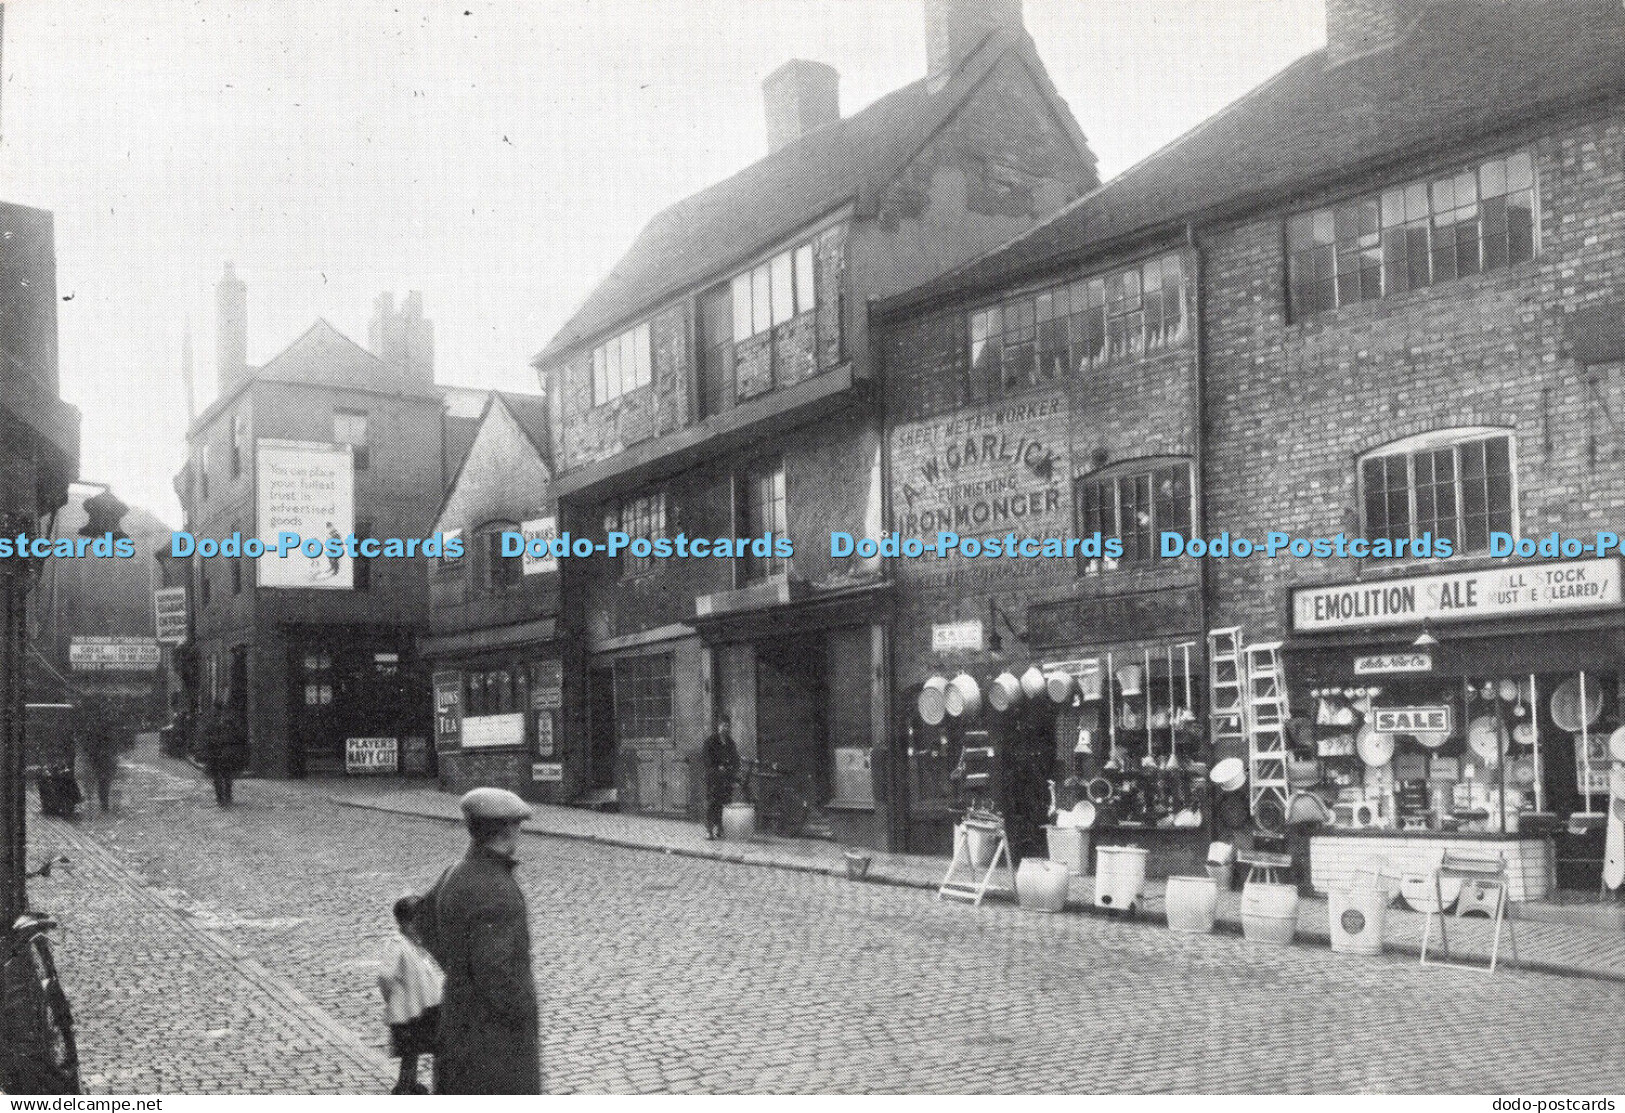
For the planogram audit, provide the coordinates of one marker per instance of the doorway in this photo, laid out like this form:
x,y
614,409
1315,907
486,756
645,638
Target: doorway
x,y
792,701
601,729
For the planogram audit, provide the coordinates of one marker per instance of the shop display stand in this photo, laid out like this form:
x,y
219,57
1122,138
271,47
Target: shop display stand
x,y
973,887
1486,876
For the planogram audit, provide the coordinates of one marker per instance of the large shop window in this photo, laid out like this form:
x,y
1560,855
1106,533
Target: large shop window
x,y
497,691
1453,486
763,509
643,697
1411,236
1055,333
1136,506
641,518
622,364
492,570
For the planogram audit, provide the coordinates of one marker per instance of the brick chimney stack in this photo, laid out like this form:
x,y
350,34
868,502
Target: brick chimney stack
x,y
230,330
1358,27
799,96
402,338
955,28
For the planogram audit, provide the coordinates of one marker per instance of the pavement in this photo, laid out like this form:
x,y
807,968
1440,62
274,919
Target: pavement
x,y
214,950
1574,949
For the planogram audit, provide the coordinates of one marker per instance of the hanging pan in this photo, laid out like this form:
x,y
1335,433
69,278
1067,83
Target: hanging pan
x,y
930,703
1374,749
963,697
1005,692
1485,739
1616,744
1129,679
1566,711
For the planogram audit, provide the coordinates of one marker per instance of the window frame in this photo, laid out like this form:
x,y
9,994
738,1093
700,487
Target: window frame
x,y
760,306
623,363
1090,508
749,520
488,558
644,697
1430,444
650,510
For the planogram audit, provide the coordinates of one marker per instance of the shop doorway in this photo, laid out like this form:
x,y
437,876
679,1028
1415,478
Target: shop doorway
x,y
601,729
792,699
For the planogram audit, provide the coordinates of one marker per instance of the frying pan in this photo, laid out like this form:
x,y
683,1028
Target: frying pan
x,y
1523,772
1374,749
1484,739
1508,691
1566,704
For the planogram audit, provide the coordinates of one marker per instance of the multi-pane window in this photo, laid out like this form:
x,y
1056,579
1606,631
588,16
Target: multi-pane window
x,y
643,518
762,510
1050,335
493,571
622,364
643,697
350,427
1136,507
1460,492
496,692
773,292
1412,236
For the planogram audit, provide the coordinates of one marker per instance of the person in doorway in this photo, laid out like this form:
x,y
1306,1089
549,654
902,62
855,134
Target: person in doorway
x,y
225,751
721,771
475,924
412,985
101,740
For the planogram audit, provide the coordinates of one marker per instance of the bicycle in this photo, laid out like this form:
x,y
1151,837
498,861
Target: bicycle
x,y
40,1052
783,797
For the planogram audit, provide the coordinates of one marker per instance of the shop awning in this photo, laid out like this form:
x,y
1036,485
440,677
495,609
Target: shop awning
x,y
478,641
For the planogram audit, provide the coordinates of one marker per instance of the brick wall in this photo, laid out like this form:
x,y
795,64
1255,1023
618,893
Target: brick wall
x,y
585,433
1295,404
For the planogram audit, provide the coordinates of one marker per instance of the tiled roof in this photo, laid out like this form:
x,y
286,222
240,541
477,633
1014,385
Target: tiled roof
x,y
1466,69
530,411
741,216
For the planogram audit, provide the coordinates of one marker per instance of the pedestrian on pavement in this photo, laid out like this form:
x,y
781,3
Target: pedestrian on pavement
x,y
225,751
475,924
412,985
100,738
721,771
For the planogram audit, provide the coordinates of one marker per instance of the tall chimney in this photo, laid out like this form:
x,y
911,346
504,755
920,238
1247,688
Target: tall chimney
x,y
230,330
1358,27
402,338
799,96
955,28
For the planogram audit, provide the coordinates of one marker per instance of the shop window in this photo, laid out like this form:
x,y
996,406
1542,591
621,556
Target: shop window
x,y
1412,236
350,427
318,677
1136,505
494,572
1456,486
622,364
643,697
642,519
763,508
1058,332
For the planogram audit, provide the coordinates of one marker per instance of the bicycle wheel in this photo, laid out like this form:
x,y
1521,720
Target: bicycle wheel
x,y
61,1047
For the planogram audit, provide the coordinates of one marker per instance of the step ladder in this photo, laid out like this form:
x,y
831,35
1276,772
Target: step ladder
x,y
1227,682
1267,714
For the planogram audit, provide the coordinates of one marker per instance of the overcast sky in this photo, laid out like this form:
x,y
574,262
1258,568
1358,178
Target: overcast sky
x,y
497,156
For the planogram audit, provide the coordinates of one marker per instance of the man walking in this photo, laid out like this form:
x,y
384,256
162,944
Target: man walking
x,y
474,922
101,740
721,771
225,751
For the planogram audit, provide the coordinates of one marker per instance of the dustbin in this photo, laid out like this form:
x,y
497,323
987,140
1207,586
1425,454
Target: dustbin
x,y
1070,847
1358,916
1119,876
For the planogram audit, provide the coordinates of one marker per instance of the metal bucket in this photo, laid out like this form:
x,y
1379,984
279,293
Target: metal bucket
x,y
1042,886
931,703
1070,847
1269,912
963,697
1358,916
1192,904
1119,876
1060,686
739,822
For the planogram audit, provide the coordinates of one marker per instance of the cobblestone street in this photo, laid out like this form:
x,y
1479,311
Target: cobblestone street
x,y
211,951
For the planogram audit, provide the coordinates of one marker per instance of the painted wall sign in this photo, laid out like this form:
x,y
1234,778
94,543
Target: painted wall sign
x,y
112,653
545,744
371,755
1114,618
1411,720
539,529
169,614
956,637
547,684
448,709
1378,663
308,489
1457,596
546,771
494,730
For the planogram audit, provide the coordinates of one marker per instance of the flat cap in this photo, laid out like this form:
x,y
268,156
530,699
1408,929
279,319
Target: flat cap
x,y
494,803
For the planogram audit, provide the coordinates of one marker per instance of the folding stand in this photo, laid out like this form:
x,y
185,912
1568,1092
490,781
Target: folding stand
x,y
974,888
1484,887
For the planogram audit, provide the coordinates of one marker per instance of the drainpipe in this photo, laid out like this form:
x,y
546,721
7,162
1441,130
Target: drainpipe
x,y
1199,445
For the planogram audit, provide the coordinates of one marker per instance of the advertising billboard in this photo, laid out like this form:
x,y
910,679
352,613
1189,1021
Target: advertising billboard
x,y
309,490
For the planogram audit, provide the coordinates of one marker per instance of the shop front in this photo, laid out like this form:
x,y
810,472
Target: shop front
x,y
1470,712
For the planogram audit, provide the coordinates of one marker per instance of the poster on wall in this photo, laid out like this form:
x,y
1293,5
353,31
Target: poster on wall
x,y
545,746
371,755
538,532
547,684
112,653
169,615
309,490
448,710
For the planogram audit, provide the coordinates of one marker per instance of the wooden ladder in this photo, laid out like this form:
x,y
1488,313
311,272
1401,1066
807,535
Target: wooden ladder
x,y
1227,682
1267,714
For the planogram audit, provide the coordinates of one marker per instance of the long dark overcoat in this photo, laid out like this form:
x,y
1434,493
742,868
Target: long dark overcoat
x,y
480,934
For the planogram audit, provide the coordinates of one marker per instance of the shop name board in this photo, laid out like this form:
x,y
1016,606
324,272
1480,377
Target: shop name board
x,y
169,614
1115,618
371,755
546,771
112,653
1411,720
956,637
494,730
1378,663
1458,596
546,531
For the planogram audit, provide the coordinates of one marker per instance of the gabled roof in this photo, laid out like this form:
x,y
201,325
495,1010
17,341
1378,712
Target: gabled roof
x,y
318,354
1465,70
849,161
530,414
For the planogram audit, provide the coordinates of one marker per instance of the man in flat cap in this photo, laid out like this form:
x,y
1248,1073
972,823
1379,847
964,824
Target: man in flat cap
x,y
475,923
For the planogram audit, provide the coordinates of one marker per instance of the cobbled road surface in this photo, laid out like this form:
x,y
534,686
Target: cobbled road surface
x,y
212,950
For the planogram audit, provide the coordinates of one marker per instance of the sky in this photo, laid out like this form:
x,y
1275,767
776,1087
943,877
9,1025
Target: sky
x,y
499,157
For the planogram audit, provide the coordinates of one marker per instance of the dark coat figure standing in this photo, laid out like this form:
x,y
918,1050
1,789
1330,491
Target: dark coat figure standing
x,y
101,739
225,751
475,924
721,771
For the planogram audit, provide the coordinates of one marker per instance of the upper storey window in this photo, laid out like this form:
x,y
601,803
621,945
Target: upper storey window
x,y
1412,236
773,292
621,364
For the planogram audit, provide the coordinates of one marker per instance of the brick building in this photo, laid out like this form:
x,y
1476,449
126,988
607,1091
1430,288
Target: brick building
x,y
1401,271
307,665
721,383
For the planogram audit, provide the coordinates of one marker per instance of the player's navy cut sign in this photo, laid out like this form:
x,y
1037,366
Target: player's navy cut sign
x,y
1411,720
